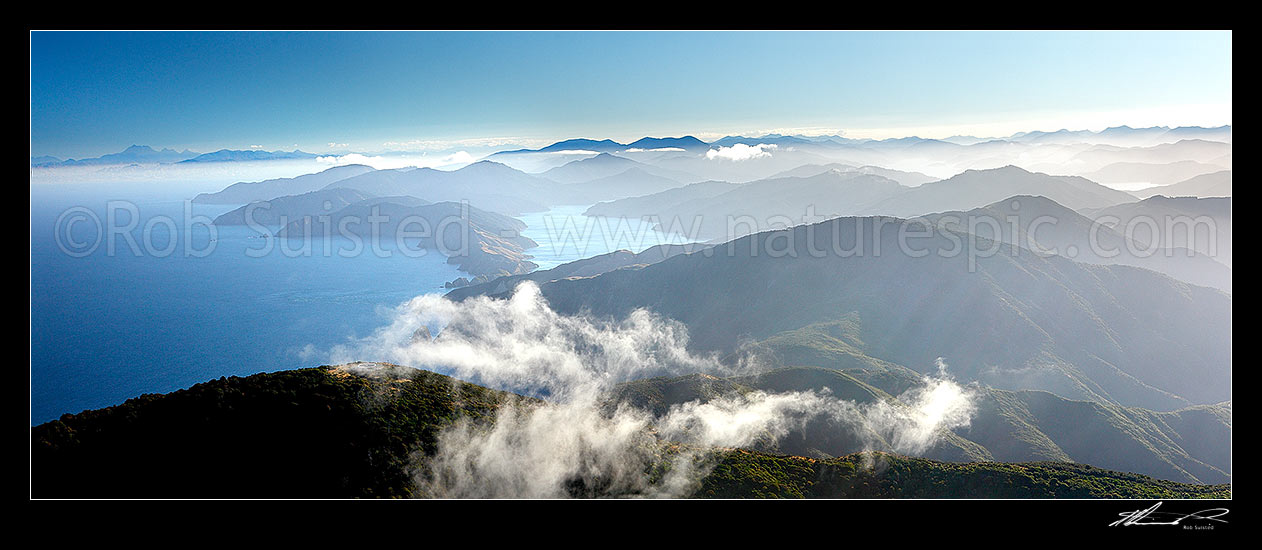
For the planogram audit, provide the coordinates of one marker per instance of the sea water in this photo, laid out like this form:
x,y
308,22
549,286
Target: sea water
x,y
110,325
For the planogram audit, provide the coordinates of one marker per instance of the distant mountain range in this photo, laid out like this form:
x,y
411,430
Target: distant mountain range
x,y
723,211
487,184
764,204
246,192
231,155
143,154
909,179
136,154
977,187
605,165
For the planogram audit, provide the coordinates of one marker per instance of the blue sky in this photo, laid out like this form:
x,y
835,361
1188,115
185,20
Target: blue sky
x,y
95,93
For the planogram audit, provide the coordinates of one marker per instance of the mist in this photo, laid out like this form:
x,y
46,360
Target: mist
x,y
575,440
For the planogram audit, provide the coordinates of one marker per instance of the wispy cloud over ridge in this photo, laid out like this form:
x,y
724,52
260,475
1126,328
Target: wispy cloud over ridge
x,y
577,438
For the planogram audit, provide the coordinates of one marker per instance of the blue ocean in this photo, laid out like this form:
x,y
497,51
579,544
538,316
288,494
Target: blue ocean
x,y
172,307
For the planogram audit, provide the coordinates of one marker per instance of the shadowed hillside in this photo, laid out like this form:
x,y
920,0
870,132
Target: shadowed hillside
x,y
365,430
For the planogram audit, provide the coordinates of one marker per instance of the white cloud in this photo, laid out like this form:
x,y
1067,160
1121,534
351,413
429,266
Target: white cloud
x,y
478,143
740,151
574,152
576,437
658,150
384,162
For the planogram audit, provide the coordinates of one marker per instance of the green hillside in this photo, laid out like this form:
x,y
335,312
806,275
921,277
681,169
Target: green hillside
x,y
744,474
1009,319
356,431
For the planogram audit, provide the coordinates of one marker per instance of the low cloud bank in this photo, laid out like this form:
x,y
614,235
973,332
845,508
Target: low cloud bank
x,y
740,151
575,442
389,162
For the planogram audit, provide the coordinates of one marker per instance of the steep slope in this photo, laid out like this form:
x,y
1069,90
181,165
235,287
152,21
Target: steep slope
x,y
745,474
1011,320
326,432
1038,223
369,430
1200,224
1033,425
1190,445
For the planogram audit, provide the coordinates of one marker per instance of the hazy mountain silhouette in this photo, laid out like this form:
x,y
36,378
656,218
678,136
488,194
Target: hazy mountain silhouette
x,y
1012,320
766,203
1153,173
292,207
909,179
632,182
605,165
1216,184
652,204
687,143
231,155
975,188
1176,219
485,184
135,154
479,242
1077,237
246,192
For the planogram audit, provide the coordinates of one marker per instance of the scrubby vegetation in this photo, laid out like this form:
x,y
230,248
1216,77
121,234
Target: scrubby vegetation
x,y
320,432
744,474
361,431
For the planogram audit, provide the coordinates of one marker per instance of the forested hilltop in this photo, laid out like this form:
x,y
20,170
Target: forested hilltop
x,y
353,431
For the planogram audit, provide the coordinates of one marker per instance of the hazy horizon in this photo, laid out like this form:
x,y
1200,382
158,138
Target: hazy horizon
x,y
373,91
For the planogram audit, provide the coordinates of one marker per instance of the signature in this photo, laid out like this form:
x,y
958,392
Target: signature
x,y
1151,516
